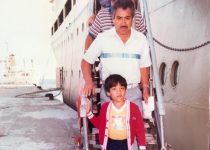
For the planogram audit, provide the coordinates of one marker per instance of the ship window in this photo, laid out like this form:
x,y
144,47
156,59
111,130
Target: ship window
x,y
55,26
57,23
77,31
60,18
174,73
83,27
52,31
162,73
96,7
74,2
67,7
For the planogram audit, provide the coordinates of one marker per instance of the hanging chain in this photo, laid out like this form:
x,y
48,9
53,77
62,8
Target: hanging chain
x,y
181,49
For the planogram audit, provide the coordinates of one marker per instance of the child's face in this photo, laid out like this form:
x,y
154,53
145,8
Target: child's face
x,y
117,93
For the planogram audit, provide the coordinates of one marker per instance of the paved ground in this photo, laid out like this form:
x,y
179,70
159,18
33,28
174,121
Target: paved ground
x,y
35,123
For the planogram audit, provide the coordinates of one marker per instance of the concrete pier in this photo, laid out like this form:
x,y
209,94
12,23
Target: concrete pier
x,y
35,123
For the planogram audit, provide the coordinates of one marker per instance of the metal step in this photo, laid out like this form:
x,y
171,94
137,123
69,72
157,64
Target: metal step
x,y
151,135
150,128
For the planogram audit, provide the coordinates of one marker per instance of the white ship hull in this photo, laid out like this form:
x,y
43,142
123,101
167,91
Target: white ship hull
x,y
184,75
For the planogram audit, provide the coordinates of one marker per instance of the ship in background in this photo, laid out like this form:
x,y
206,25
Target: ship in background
x,y
13,73
182,41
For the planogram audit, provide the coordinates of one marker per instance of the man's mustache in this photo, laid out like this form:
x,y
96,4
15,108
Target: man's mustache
x,y
123,26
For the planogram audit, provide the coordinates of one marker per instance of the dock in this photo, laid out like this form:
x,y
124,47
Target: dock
x,y
36,122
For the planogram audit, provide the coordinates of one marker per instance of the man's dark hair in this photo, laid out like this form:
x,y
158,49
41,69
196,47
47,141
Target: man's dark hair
x,y
124,4
113,80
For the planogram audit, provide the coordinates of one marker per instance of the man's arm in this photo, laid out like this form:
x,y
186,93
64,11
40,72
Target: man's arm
x,y
94,30
89,86
88,41
145,82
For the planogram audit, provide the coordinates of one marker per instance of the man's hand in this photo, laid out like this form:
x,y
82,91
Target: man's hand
x,y
89,88
145,83
145,94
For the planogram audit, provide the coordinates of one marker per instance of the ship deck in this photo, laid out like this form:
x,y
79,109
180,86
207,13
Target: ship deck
x,y
35,123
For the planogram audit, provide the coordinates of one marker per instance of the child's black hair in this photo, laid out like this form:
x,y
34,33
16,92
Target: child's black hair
x,y
113,80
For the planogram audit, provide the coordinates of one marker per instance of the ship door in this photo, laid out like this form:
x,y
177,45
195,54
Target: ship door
x,y
67,69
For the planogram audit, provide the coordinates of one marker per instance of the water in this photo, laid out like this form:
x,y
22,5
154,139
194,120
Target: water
x,y
48,83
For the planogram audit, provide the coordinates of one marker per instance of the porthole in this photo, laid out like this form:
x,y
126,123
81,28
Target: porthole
x,y
72,36
162,73
174,73
74,2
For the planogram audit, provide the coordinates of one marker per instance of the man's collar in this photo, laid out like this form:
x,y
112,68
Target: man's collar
x,y
131,35
115,32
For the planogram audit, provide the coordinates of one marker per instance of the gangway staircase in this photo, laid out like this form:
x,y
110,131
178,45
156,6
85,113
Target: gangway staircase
x,y
154,127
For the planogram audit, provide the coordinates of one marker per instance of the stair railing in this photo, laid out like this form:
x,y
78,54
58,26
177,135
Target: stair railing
x,y
161,110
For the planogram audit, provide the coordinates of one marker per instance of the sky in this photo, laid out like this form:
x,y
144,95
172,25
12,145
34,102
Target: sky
x,y
25,32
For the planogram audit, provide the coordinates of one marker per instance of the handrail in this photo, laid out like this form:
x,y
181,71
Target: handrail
x,y
161,108
83,112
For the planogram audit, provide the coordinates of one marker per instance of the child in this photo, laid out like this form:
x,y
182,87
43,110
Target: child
x,y
119,120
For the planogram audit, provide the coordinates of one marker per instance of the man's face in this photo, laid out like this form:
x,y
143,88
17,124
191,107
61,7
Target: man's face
x,y
123,21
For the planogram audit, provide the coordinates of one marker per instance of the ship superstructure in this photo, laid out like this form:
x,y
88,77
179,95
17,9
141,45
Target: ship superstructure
x,y
13,73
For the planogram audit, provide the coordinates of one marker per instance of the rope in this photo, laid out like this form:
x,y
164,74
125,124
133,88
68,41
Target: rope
x,y
31,94
181,49
197,107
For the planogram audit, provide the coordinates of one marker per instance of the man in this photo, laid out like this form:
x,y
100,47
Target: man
x,y
123,51
104,4
103,21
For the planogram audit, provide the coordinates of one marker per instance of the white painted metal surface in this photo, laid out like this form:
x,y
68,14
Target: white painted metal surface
x,y
176,23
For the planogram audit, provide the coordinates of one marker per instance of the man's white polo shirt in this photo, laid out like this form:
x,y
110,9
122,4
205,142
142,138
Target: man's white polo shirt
x,y
119,58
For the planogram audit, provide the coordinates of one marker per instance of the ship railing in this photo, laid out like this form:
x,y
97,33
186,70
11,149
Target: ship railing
x,y
160,109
